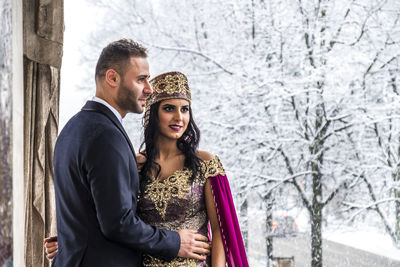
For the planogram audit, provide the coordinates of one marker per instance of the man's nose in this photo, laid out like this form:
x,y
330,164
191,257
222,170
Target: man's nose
x,y
147,88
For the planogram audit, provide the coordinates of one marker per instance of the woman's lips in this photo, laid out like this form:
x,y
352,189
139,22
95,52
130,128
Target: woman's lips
x,y
176,128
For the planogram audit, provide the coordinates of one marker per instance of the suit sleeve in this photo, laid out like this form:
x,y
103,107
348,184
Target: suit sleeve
x,y
111,170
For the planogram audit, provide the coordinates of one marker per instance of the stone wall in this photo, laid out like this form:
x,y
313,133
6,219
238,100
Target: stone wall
x,y
43,29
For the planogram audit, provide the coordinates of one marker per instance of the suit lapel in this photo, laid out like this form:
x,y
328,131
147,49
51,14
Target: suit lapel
x,y
98,107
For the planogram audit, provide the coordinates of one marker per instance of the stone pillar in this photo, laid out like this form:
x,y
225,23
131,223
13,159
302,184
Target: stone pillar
x,y
31,34
43,39
17,135
5,133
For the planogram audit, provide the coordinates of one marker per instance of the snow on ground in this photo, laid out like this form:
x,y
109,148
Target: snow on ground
x,y
367,240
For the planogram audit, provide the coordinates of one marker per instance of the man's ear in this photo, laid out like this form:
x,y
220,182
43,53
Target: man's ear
x,y
112,78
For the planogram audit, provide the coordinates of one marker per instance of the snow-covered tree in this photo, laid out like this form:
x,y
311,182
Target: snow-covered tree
x,y
298,98
378,142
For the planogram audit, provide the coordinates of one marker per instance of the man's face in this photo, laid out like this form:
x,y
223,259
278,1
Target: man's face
x,y
134,87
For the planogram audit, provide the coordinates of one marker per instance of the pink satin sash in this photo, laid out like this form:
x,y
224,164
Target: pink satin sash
x,y
228,222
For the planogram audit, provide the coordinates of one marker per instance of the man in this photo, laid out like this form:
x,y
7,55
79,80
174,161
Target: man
x,y
96,177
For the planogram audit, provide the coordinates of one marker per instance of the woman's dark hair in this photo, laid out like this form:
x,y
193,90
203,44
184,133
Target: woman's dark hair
x,y
188,143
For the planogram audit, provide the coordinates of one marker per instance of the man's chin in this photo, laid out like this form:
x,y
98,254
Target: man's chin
x,y
137,110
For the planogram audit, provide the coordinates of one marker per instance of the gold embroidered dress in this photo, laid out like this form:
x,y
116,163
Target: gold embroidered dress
x,y
175,203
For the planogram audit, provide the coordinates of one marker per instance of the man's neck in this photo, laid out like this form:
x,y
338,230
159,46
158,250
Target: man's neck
x,y
116,112
100,93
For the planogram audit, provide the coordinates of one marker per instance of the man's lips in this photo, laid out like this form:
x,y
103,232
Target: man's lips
x,y
142,101
176,127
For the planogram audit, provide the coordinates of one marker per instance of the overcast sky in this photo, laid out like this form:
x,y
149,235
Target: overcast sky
x,y
79,22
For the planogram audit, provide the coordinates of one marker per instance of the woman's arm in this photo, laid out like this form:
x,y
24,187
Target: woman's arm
x,y
217,248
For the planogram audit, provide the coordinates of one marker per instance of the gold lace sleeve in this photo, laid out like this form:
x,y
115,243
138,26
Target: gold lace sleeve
x,y
212,167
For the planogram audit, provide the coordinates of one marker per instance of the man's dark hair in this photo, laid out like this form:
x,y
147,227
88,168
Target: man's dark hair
x,y
117,55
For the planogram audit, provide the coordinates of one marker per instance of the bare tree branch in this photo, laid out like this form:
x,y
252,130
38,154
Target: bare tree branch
x,y
195,52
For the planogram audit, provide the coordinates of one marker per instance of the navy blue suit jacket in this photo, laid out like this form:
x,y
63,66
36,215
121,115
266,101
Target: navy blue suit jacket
x,y
96,187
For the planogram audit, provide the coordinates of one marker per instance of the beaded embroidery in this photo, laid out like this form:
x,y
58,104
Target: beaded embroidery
x,y
160,192
188,198
149,261
171,84
177,185
212,167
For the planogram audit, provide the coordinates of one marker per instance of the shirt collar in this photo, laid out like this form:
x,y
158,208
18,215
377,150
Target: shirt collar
x,y
101,101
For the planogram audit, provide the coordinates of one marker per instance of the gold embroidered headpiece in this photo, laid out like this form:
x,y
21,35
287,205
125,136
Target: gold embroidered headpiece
x,y
169,85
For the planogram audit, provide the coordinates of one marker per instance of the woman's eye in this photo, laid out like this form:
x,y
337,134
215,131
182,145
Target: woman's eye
x,y
185,109
168,108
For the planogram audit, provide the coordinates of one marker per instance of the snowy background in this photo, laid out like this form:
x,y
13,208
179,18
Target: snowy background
x,y
300,100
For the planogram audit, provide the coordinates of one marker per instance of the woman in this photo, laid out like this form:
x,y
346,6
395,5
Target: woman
x,y
181,186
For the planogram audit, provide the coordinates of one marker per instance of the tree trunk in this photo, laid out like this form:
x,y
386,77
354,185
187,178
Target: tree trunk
x,y
316,206
243,214
316,219
316,235
270,202
396,179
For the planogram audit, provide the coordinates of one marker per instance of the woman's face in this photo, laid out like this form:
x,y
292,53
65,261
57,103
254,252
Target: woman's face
x,y
174,117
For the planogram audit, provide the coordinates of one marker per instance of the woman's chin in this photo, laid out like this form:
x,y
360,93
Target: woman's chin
x,y
177,136
173,136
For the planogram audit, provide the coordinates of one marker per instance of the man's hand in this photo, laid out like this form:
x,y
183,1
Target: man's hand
x,y
51,246
193,245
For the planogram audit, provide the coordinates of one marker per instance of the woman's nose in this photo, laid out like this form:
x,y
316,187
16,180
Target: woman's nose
x,y
178,115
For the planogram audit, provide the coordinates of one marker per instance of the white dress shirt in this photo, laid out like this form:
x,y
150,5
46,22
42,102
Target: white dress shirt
x,y
101,101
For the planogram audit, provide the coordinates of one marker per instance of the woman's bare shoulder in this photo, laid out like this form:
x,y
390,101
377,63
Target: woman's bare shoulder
x,y
204,155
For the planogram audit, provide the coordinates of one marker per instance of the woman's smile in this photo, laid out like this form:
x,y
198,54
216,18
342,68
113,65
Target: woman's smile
x,y
176,127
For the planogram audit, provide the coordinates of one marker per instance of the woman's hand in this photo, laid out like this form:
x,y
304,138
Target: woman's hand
x,y
51,246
